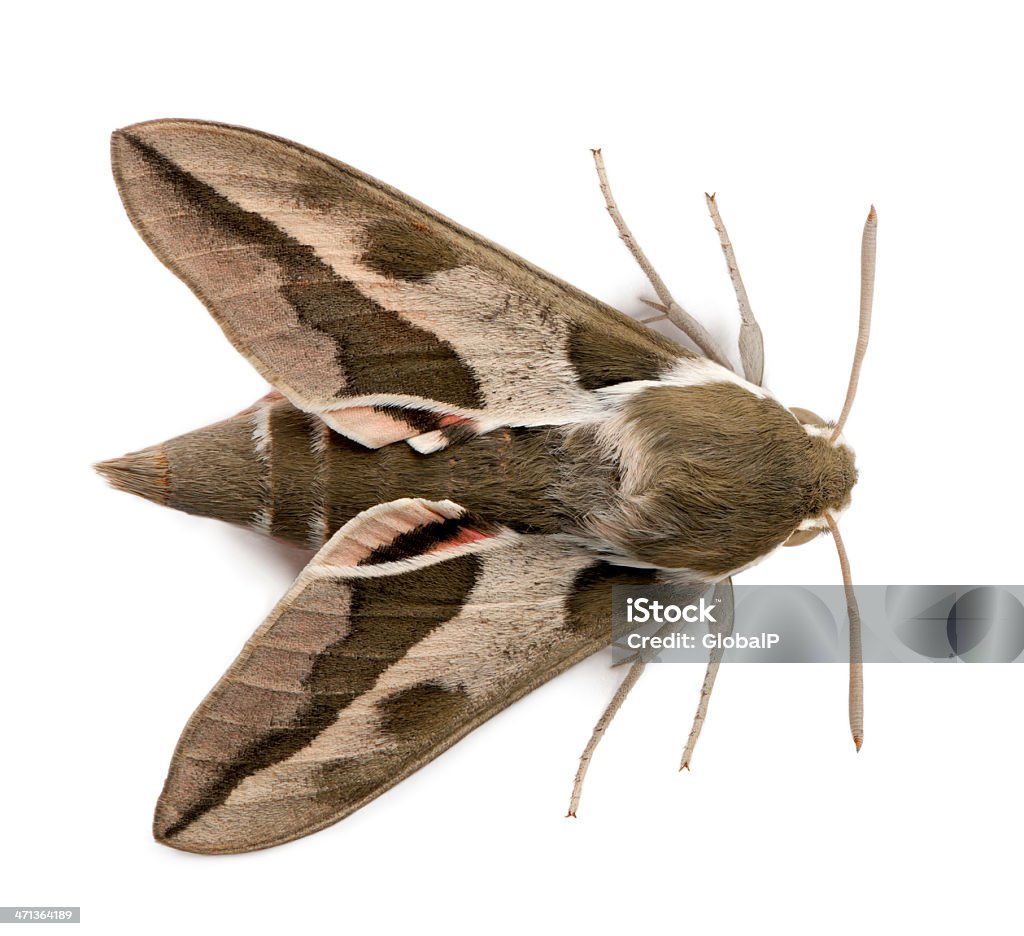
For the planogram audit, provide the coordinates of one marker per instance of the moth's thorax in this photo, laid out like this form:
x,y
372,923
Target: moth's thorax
x,y
713,477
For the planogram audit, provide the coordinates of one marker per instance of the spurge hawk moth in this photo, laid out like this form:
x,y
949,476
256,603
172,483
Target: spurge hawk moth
x,y
478,451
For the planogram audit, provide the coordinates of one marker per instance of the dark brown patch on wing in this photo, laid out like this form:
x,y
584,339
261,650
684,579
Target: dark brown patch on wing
x,y
407,250
421,420
387,616
608,351
426,711
589,602
376,350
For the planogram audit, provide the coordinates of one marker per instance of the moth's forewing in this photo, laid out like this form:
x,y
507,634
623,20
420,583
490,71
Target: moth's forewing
x,y
347,294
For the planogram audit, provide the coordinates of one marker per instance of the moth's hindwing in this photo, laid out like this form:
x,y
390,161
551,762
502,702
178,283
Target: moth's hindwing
x,y
360,304
411,626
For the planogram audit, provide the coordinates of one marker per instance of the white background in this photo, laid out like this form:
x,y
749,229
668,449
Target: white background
x,y
119,615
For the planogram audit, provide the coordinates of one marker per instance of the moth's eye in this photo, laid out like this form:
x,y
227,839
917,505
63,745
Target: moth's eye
x,y
801,536
808,418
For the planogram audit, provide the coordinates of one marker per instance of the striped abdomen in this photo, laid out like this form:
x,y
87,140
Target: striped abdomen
x,y
284,472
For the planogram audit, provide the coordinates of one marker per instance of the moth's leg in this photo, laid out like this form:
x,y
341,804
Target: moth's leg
x,y
669,308
751,342
723,627
635,671
660,317
638,661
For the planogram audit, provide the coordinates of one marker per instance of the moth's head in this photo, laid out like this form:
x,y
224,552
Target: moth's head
x,y
835,472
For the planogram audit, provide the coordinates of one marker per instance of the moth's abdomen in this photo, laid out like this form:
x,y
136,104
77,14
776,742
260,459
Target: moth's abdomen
x,y
283,472
212,472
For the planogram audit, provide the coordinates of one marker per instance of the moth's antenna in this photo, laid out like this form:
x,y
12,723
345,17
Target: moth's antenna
x,y
669,308
856,649
867,292
635,672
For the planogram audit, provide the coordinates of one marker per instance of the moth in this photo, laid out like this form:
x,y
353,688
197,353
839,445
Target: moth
x,y
478,451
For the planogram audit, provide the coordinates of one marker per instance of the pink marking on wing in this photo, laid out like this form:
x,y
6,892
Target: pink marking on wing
x,y
368,534
464,536
368,426
382,526
346,552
